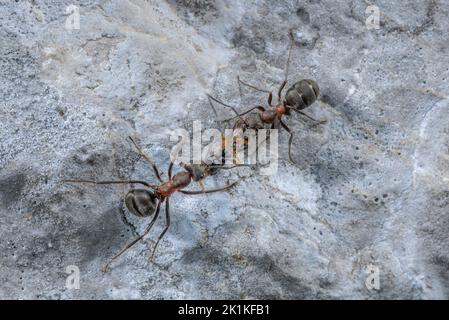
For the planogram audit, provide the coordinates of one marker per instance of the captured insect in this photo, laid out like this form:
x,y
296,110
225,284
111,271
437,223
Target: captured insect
x,y
299,96
146,202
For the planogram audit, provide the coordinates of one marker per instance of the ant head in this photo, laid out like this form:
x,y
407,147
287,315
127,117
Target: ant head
x,y
197,171
141,202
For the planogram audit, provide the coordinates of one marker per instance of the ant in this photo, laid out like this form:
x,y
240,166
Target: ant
x,y
144,203
299,96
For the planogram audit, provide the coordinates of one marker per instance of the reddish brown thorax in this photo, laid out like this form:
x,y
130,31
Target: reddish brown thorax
x,y
268,116
178,182
281,109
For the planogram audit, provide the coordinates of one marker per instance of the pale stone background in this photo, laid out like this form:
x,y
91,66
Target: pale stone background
x,y
370,186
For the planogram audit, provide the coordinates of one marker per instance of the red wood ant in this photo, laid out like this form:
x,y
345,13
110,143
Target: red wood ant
x,y
145,203
299,96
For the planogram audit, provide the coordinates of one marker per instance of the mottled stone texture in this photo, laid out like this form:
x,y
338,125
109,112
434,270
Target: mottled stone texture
x,y
370,187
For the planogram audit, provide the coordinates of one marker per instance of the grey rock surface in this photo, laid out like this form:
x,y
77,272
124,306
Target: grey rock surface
x,y
370,190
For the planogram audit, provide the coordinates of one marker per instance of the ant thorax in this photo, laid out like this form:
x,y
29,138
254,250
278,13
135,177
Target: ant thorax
x,y
281,109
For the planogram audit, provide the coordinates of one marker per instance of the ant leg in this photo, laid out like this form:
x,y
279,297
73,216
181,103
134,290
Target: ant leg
x,y
248,111
287,65
307,115
270,94
222,103
147,158
289,140
167,225
170,167
312,118
129,245
113,182
280,90
210,190
212,106
226,105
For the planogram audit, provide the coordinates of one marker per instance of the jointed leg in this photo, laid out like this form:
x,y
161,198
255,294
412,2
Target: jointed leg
x,y
248,111
167,225
287,65
212,105
307,115
270,94
222,103
113,182
170,167
129,245
147,158
289,140
210,190
311,118
280,89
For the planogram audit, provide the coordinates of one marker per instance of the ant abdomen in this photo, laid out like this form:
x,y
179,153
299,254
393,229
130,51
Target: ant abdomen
x,y
140,202
302,94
